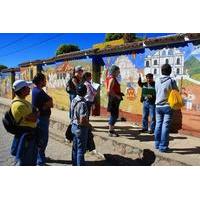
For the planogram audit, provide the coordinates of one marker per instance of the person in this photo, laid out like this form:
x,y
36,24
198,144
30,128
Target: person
x,y
44,103
114,99
73,82
24,145
163,86
80,126
91,92
148,98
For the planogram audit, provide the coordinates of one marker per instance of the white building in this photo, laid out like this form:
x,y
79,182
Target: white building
x,y
174,57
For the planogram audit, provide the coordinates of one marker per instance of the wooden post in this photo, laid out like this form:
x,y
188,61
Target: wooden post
x,y
12,79
97,62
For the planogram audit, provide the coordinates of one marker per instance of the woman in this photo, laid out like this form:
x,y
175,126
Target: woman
x,y
73,82
114,99
91,92
44,103
24,146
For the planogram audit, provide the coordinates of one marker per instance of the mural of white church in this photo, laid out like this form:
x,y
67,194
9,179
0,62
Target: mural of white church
x,y
174,57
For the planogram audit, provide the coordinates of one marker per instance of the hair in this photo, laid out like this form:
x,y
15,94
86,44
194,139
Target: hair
x,y
38,78
113,69
81,90
19,92
166,69
149,75
86,75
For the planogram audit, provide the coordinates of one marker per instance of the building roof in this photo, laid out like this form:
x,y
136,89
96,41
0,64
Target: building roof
x,y
151,42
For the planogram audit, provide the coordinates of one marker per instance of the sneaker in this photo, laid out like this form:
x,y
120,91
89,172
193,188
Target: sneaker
x,y
143,131
151,132
113,134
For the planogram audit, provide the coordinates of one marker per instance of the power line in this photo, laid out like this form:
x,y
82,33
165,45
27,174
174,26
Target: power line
x,y
33,45
15,41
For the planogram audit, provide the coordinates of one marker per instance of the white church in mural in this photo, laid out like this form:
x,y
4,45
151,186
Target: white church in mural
x,y
174,57
128,70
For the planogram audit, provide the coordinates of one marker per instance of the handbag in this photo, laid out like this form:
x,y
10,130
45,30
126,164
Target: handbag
x,y
68,133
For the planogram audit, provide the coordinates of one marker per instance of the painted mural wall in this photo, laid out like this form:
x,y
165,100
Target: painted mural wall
x,y
57,77
5,84
185,62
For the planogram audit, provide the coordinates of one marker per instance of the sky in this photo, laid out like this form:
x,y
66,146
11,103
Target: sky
x,y
16,48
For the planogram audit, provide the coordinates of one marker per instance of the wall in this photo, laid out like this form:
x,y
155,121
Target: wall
x,y
185,61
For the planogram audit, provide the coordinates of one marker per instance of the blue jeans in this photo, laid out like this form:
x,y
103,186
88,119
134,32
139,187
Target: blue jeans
x,y
43,137
80,137
163,122
112,119
24,148
148,109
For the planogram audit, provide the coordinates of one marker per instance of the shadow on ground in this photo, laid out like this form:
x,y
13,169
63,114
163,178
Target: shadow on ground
x,y
147,159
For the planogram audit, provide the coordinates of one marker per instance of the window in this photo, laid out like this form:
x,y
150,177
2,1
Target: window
x,y
167,61
147,64
155,62
178,61
170,52
164,53
64,75
155,71
178,71
57,76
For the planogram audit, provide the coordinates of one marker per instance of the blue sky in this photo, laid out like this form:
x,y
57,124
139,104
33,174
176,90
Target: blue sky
x,y
16,48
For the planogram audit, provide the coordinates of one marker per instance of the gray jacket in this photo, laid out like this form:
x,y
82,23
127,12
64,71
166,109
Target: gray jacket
x,y
163,87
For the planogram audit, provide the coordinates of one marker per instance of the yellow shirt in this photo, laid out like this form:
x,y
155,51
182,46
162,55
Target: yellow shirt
x,y
20,110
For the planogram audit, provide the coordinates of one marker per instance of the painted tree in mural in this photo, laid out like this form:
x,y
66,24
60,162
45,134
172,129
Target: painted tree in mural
x,y
3,67
128,37
66,48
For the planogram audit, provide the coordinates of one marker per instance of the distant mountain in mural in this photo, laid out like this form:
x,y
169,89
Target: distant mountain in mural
x,y
193,66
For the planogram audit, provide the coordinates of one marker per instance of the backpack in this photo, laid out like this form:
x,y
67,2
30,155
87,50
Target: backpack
x,y
70,87
175,100
10,123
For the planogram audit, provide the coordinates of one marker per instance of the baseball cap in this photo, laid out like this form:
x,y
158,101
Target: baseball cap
x,y
19,84
78,68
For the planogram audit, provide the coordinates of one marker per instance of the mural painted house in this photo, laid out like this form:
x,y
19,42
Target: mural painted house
x,y
172,56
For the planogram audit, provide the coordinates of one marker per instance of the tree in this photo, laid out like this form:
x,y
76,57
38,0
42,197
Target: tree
x,y
3,67
66,48
113,36
128,37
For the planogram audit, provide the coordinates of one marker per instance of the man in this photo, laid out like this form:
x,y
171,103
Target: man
x,y
163,86
80,125
24,146
148,98
42,101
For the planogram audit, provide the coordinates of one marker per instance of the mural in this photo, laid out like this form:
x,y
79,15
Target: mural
x,y
5,84
185,62
58,75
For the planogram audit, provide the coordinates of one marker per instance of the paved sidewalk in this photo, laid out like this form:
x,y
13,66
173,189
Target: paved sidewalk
x,y
185,149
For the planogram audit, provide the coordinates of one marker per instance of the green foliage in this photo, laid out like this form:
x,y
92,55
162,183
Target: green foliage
x,y
67,48
113,36
196,76
193,66
3,67
128,37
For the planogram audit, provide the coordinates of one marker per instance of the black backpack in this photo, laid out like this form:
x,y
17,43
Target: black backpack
x,y
70,87
10,123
